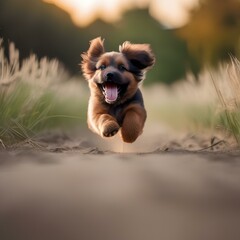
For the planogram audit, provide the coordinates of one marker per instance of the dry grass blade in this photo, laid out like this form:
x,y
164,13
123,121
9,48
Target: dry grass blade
x,y
31,98
229,97
2,144
212,145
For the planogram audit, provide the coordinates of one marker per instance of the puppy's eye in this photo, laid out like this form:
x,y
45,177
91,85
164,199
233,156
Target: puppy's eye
x,y
102,67
121,67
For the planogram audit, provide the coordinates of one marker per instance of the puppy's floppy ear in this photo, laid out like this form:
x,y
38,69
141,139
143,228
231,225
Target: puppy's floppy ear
x,y
90,58
139,55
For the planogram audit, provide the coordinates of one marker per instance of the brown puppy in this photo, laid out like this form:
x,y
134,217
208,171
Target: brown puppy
x,y
116,102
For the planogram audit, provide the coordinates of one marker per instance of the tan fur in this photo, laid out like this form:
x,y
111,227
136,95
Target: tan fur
x,y
127,68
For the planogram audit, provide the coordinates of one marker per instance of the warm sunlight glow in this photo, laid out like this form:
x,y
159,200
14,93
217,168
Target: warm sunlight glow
x,y
172,13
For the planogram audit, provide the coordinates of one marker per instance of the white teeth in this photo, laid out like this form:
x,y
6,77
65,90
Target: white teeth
x,y
104,89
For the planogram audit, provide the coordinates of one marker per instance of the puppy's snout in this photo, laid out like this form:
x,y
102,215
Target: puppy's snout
x,y
109,76
112,77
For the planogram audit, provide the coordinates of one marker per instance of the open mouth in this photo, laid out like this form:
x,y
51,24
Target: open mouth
x,y
112,91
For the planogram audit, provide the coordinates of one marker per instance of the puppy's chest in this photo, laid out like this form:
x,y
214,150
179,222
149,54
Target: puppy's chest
x,y
117,112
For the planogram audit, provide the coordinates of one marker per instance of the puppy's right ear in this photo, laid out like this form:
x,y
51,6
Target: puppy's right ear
x,y
90,58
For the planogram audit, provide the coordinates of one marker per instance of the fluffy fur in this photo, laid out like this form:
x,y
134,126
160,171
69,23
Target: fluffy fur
x,y
116,103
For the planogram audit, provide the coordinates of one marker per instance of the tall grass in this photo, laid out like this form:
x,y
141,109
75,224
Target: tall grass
x,y
30,100
228,93
211,104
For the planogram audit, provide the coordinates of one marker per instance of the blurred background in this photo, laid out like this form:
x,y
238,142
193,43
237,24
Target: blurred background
x,y
192,98
185,34
41,85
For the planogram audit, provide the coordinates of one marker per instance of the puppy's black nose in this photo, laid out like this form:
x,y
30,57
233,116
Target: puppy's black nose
x,y
109,76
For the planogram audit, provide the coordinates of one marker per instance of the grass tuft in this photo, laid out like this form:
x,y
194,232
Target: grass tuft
x,y
229,97
30,99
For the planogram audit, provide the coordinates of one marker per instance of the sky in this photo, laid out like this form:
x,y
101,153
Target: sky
x,y
171,13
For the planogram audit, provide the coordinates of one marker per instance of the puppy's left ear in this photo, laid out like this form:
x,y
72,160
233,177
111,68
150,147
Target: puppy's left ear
x,y
139,55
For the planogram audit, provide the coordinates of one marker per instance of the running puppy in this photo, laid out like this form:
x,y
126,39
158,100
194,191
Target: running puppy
x,y
116,103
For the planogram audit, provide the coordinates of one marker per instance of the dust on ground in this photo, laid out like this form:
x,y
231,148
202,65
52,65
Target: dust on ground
x,y
79,186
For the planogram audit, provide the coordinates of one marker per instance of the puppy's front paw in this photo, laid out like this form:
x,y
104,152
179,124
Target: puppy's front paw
x,y
110,129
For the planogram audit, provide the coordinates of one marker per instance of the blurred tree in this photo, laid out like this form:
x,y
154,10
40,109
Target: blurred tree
x,y
172,57
46,30
213,31
42,29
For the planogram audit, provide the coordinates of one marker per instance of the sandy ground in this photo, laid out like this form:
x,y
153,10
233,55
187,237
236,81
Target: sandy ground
x,y
93,189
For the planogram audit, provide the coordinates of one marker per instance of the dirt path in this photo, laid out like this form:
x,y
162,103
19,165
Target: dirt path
x,y
89,194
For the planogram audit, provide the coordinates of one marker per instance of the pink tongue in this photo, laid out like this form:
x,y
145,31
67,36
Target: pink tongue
x,y
111,92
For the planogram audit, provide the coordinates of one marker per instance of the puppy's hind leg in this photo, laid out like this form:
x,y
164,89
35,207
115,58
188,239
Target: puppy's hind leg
x,y
133,123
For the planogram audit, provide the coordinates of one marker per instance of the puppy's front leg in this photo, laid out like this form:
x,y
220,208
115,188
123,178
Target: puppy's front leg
x,y
103,124
133,122
107,125
100,121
